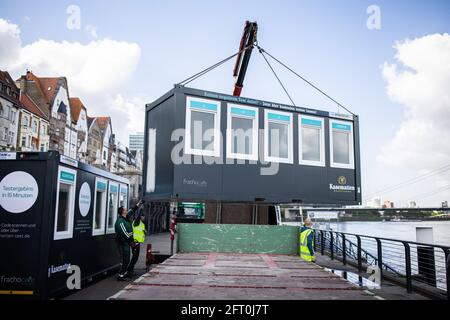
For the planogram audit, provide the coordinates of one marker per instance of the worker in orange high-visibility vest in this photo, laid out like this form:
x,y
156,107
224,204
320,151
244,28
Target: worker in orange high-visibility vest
x,y
307,242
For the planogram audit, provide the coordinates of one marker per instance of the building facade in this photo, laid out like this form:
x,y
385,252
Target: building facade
x,y
33,127
9,112
136,141
80,119
107,141
37,114
121,157
94,145
51,95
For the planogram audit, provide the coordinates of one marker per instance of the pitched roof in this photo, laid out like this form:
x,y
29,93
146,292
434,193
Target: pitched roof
x,y
31,106
75,108
6,79
48,86
103,122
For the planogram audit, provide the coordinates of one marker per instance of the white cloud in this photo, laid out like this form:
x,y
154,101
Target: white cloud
x,y
421,84
130,111
97,72
92,31
10,42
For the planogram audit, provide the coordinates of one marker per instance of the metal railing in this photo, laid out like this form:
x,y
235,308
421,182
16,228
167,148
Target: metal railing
x,y
420,267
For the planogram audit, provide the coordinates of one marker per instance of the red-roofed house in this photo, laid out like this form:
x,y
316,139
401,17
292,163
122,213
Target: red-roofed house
x,y
105,126
51,95
33,126
79,117
101,143
95,140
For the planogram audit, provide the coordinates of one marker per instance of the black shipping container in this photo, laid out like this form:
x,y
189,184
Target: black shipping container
x,y
314,157
47,208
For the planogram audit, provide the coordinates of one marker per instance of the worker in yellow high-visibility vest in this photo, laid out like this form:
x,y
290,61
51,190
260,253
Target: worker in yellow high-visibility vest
x,y
139,233
307,242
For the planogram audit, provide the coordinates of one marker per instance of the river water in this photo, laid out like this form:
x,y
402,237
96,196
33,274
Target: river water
x,y
394,230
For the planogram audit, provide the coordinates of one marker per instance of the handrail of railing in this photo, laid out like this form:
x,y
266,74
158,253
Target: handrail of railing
x,y
389,239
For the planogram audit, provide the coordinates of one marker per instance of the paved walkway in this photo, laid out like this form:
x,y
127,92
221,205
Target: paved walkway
x,y
228,276
199,276
106,287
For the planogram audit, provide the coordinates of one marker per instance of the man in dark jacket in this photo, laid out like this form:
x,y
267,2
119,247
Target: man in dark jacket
x,y
124,238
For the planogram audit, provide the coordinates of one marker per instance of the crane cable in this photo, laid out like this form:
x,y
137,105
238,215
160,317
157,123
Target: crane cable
x,y
262,51
409,182
275,74
304,79
203,72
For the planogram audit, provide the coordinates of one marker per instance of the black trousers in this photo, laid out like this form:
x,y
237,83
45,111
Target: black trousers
x,y
124,251
134,257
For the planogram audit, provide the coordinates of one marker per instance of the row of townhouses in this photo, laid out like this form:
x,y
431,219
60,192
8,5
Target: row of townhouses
x,y
38,114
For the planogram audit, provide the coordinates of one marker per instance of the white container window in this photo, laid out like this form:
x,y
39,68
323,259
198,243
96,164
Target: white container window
x,y
202,127
278,137
311,133
123,197
341,143
112,206
242,132
65,203
98,223
151,161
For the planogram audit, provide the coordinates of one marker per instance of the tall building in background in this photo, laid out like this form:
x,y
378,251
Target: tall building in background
x,y
136,141
375,203
412,204
388,205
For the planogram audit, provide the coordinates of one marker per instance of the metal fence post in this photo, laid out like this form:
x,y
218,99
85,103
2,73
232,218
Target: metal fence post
x,y
331,245
358,239
344,251
408,267
380,255
447,268
315,240
322,243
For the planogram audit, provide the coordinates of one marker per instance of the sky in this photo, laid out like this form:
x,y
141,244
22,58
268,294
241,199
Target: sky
x,y
387,61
